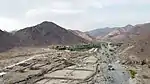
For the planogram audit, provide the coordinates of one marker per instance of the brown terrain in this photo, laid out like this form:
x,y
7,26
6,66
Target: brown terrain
x,y
139,39
50,66
115,33
7,41
47,33
136,38
134,52
34,61
119,34
100,32
34,65
83,35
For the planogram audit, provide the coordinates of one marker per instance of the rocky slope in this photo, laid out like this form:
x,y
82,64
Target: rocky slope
x,y
100,32
7,41
137,48
47,33
135,53
83,35
111,33
120,34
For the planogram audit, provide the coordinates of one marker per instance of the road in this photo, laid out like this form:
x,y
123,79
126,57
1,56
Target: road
x,y
97,66
116,76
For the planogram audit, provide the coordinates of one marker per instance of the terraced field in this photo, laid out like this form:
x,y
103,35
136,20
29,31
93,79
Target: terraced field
x,y
92,66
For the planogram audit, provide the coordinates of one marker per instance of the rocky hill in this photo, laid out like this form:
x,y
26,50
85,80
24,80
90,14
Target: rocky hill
x,y
47,33
115,33
100,32
7,41
83,35
120,34
138,47
135,38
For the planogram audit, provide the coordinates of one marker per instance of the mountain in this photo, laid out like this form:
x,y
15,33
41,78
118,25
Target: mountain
x,y
7,41
138,47
83,35
121,33
100,32
111,33
47,33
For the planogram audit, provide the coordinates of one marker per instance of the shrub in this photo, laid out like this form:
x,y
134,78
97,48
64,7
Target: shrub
x,y
132,73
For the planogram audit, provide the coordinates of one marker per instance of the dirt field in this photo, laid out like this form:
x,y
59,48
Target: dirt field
x,y
50,66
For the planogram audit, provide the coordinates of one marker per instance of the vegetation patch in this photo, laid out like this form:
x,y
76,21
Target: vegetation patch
x,y
81,47
78,47
84,47
132,73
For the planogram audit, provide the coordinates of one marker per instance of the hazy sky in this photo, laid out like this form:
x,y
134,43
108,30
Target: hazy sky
x,y
73,14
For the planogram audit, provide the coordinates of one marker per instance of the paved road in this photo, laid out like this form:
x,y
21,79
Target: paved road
x,y
116,76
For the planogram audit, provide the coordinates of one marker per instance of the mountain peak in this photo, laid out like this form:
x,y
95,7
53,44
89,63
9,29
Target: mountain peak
x,y
47,33
47,25
129,25
1,30
47,22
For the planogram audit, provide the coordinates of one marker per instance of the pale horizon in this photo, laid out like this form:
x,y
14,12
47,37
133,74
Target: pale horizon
x,y
80,15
